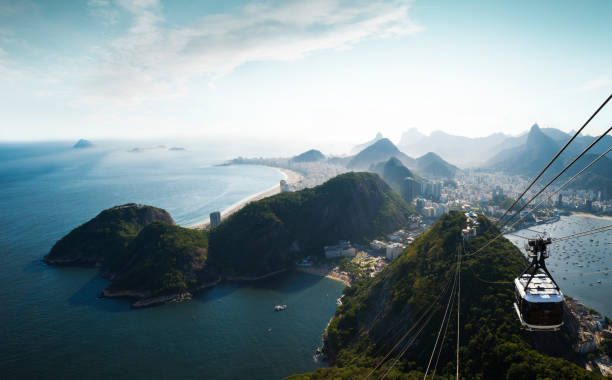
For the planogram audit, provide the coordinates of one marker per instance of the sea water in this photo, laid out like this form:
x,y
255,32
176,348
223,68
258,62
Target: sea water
x,y
578,265
53,325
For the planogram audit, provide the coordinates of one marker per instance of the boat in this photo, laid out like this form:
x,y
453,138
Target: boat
x,y
280,307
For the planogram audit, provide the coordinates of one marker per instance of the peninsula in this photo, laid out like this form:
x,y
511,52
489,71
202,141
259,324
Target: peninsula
x,y
150,259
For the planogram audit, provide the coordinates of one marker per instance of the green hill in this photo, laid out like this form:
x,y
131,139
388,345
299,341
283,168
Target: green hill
x,y
311,155
376,312
165,260
263,236
432,165
151,259
104,240
393,172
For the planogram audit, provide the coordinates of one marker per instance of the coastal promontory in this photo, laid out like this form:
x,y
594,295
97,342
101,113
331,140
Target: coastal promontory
x,y
104,240
150,259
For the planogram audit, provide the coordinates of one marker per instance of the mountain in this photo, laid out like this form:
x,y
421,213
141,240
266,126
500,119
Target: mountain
x,y
393,172
411,136
432,165
380,151
150,259
529,158
376,312
465,151
360,147
265,236
312,155
82,143
104,240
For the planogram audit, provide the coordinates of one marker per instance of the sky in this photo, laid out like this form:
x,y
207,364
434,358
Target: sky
x,y
304,70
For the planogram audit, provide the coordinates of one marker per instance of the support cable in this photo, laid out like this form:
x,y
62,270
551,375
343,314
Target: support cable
x,y
556,156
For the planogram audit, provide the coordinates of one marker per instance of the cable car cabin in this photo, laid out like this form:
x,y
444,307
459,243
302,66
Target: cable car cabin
x,y
540,306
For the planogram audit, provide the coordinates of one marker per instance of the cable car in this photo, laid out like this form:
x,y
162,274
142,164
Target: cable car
x,y
539,300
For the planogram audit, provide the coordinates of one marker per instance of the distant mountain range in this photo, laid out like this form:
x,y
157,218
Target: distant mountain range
x,y
429,165
360,147
539,148
380,151
464,151
476,152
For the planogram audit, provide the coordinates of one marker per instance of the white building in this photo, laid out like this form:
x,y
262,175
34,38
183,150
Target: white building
x,y
393,250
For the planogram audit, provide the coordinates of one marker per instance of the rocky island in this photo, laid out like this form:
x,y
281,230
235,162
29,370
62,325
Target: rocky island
x,y
150,259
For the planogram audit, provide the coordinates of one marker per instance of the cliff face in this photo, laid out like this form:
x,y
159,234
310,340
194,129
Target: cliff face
x,y
264,235
104,239
376,312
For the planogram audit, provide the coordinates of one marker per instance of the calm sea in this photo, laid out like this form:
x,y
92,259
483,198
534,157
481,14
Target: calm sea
x,y
576,264
52,324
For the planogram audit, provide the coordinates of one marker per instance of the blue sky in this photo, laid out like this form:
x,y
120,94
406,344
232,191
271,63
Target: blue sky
x,y
306,70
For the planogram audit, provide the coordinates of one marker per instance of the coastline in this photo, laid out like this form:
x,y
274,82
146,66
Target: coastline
x,y
289,175
594,216
323,271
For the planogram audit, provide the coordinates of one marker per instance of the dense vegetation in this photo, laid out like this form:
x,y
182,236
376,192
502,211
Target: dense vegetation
x,y
166,259
264,236
377,311
432,165
393,172
146,255
104,239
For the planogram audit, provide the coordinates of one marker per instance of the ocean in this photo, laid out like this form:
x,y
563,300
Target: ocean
x,y
53,325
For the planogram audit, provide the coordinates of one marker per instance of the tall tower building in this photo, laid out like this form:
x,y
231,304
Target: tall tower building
x,y
215,219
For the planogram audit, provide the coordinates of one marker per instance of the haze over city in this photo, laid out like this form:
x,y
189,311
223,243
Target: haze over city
x,y
299,70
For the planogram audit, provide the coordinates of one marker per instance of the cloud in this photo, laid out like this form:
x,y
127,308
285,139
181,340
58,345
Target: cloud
x,y
154,59
596,83
103,10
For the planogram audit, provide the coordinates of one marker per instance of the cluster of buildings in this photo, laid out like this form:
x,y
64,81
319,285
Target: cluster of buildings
x,y
471,226
342,249
412,189
583,200
431,209
391,249
284,186
589,330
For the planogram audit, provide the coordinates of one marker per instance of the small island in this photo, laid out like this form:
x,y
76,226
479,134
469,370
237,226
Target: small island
x,y
82,144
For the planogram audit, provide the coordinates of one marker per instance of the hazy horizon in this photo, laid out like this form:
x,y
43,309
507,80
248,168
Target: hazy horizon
x,y
312,71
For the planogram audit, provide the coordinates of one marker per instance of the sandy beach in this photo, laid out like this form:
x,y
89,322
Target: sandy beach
x,y
587,215
290,176
324,271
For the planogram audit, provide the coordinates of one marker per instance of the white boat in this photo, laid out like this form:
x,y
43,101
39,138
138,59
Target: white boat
x,y
280,307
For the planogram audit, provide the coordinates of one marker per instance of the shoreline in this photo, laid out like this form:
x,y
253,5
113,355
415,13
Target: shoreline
x,y
325,272
589,215
289,175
